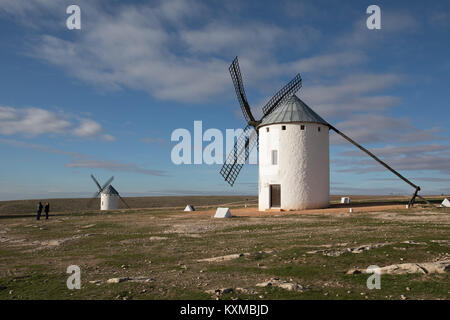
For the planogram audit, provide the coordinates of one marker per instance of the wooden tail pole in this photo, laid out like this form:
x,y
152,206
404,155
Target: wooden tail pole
x,y
431,204
411,202
413,199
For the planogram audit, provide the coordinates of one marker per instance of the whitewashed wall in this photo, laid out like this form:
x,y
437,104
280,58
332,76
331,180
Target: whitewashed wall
x,y
303,169
109,202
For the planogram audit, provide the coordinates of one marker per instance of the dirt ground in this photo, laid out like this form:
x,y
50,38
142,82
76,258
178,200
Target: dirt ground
x,y
165,253
253,212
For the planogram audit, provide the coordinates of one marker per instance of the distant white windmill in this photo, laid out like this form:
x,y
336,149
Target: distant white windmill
x,y
109,197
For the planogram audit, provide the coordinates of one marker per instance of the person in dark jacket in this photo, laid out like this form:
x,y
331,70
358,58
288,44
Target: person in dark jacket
x,y
39,210
46,210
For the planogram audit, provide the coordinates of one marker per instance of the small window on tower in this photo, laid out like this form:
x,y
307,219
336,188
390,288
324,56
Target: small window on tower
x,y
302,127
274,157
267,129
318,129
283,127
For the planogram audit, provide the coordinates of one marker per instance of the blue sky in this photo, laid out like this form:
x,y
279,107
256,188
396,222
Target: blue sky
x,y
105,99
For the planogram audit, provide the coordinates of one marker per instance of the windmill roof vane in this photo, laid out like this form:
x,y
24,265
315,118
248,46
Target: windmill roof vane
x,y
110,190
293,110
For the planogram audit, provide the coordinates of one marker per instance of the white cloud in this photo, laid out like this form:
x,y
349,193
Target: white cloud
x,y
392,23
377,128
78,160
419,162
399,150
111,166
90,128
87,128
151,39
181,50
350,94
425,157
32,122
440,18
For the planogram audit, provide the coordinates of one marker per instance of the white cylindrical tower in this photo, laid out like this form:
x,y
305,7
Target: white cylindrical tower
x,y
109,199
294,168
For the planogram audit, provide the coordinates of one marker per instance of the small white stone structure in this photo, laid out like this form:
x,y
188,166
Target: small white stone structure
x,y
109,199
294,168
445,203
223,213
345,200
189,208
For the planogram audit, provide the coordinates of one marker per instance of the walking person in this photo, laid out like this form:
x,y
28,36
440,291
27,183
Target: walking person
x,y
46,210
39,211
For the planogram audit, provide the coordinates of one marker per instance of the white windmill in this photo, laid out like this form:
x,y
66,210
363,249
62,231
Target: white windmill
x,y
109,196
293,141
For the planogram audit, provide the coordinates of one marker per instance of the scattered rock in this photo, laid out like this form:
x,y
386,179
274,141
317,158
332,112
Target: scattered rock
x,y
363,248
224,258
219,292
95,281
290,286
414,242
193,235
245,291
441,241
117,280
142,279
407,268
340,251
156,238
88,226
133,279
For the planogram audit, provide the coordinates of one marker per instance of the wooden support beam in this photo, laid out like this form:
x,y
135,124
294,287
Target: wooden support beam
x,y
375,158
416,187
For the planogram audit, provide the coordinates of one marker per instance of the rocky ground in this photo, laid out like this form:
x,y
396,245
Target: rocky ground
x,y
169,254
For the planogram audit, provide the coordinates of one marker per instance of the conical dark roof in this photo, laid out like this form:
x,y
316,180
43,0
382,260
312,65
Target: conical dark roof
x,y
293,110
110,190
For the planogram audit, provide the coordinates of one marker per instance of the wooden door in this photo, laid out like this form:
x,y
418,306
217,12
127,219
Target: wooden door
x,y
275,195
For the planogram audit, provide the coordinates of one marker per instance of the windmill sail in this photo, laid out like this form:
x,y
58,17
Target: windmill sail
x,y
285,93
249,138
236,77
239,154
